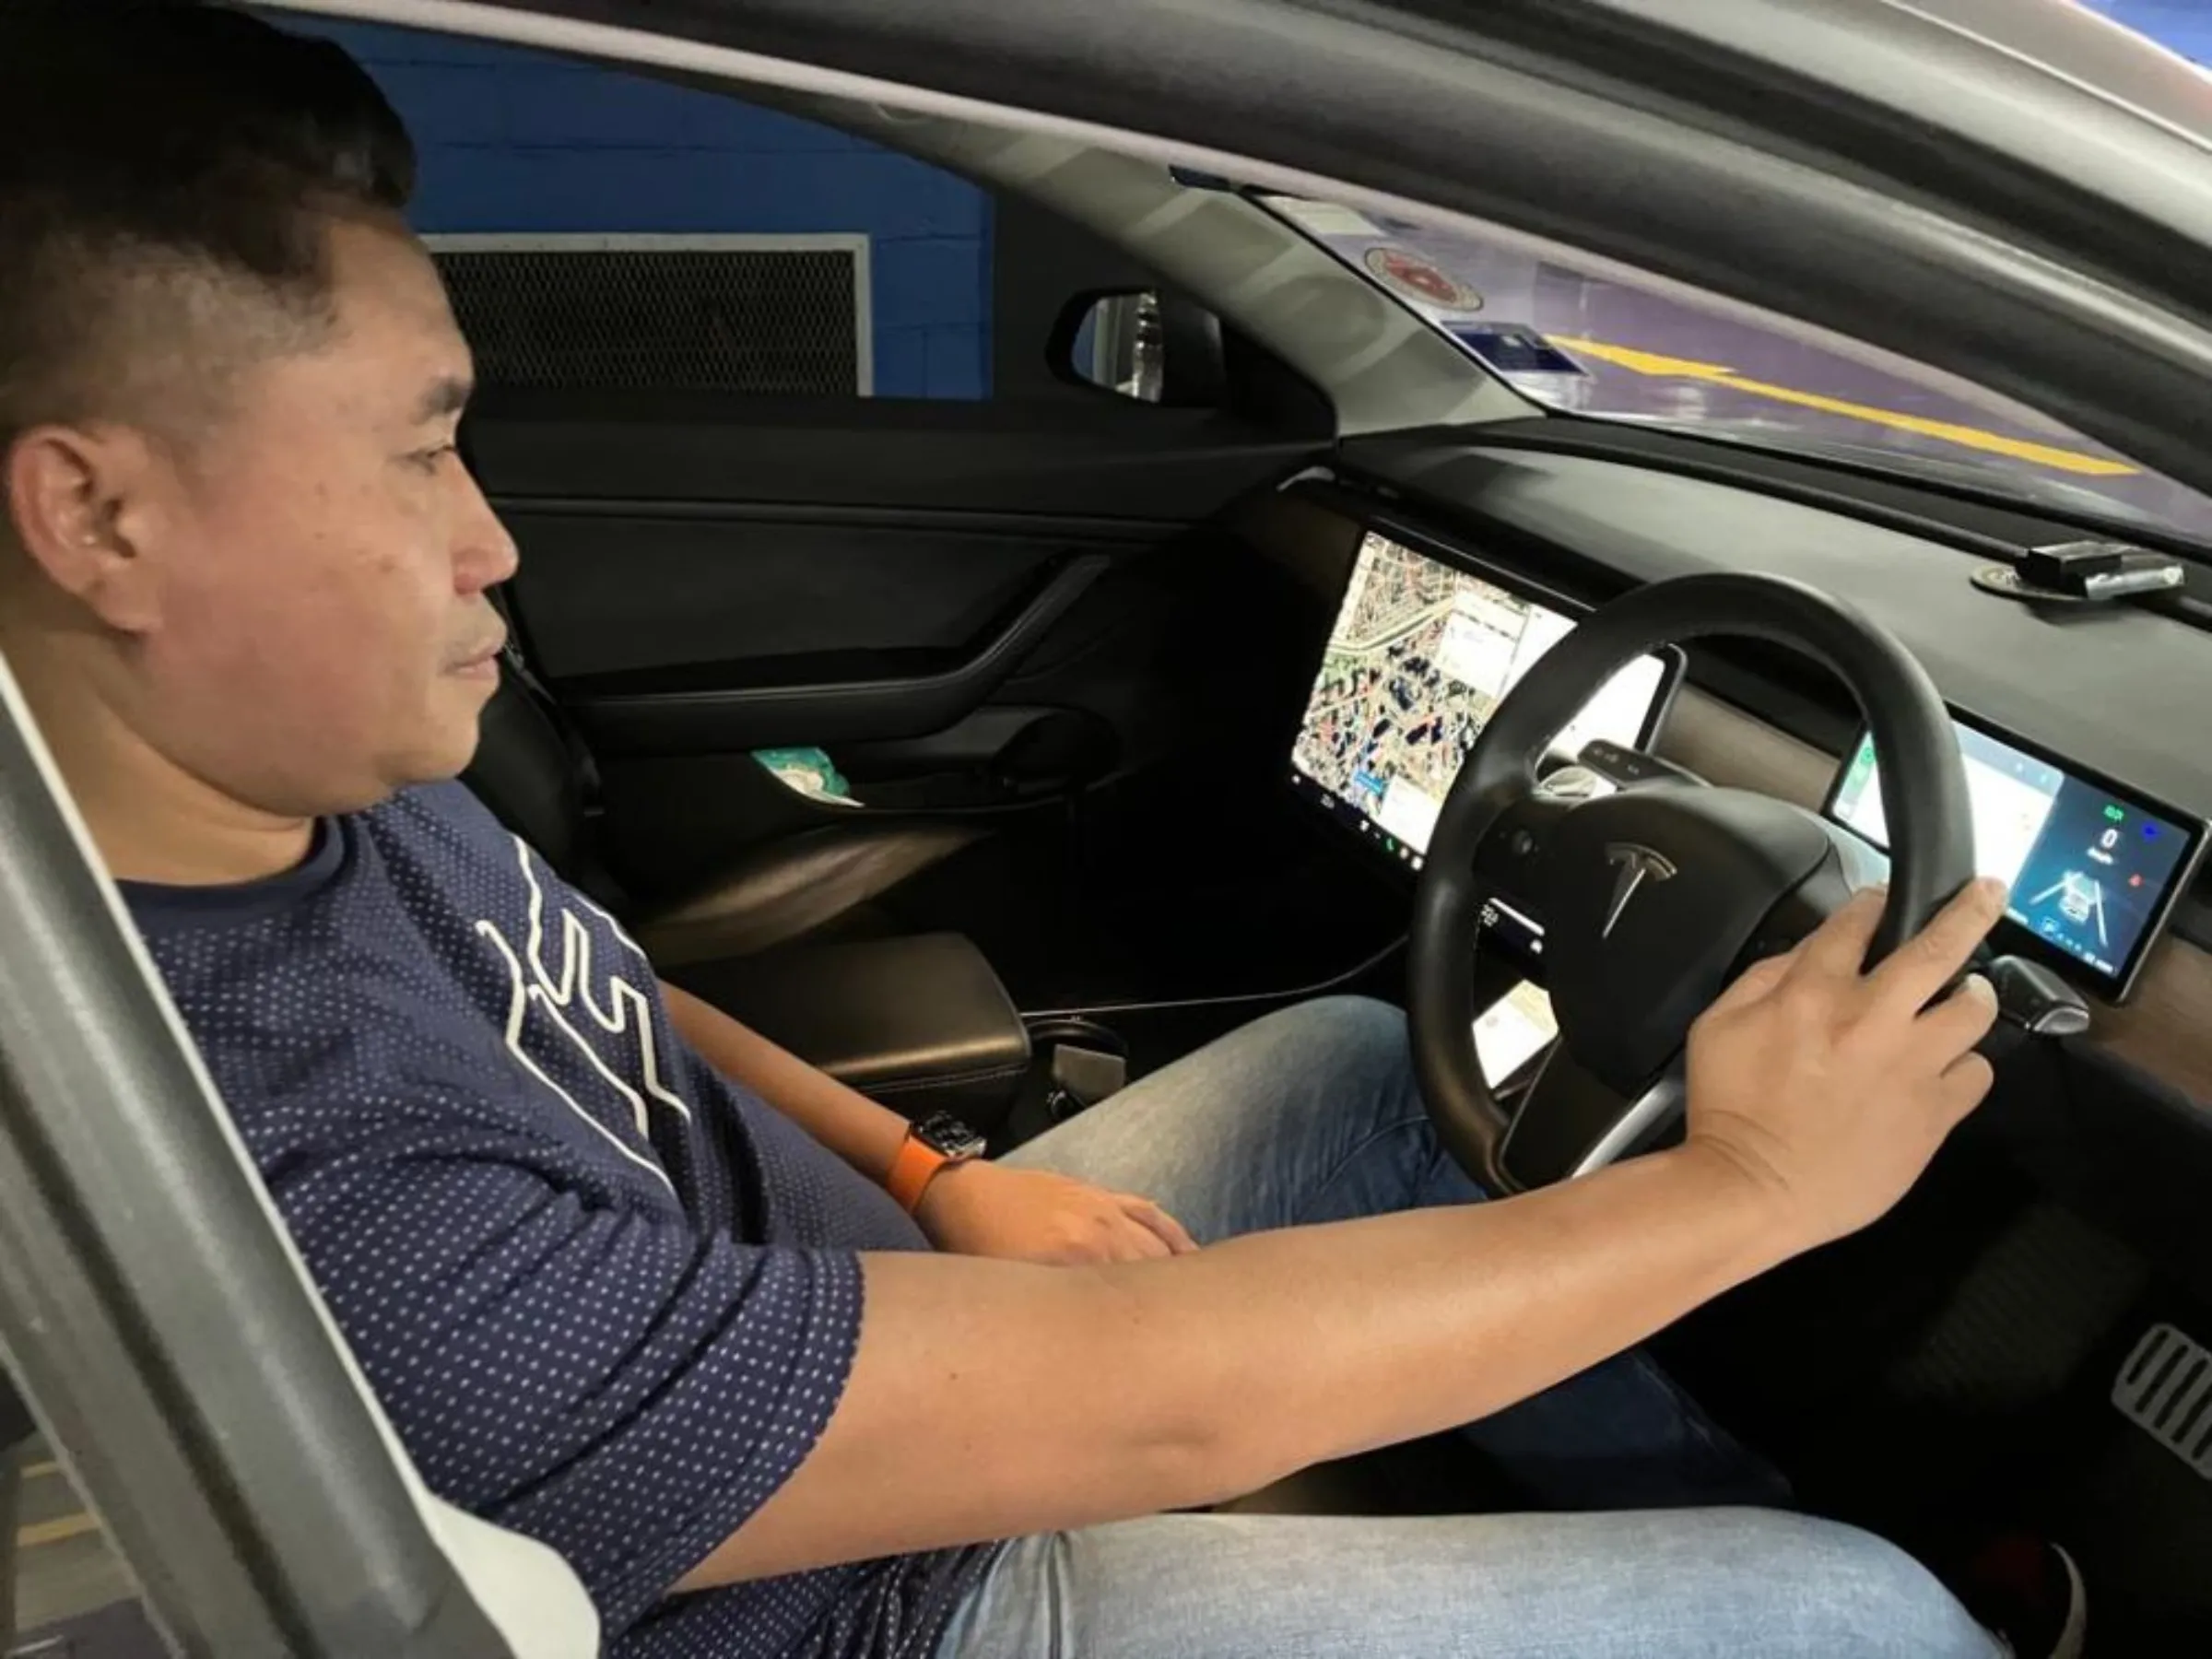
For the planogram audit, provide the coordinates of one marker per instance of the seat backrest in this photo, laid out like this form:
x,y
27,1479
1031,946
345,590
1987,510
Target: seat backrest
x,y
522,770
534,771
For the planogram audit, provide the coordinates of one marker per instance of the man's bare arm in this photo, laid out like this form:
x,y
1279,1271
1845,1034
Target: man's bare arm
x,y
991,1399
859,1131
975,1209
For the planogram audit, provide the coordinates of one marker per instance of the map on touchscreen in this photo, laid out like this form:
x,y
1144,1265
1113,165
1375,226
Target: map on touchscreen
x,y
1421,656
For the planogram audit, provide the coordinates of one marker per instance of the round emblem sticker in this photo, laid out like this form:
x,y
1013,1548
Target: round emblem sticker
x,y
1405,272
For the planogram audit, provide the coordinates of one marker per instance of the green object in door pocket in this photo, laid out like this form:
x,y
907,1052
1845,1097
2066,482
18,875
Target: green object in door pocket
x,y
811,773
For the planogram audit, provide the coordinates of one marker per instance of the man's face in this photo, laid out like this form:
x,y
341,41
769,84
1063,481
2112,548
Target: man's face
x,y
319,634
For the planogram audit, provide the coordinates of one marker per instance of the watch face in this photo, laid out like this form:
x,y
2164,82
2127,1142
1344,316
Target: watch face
x,y
942,1132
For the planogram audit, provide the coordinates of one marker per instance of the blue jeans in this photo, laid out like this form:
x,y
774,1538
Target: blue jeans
x,y
1312,1115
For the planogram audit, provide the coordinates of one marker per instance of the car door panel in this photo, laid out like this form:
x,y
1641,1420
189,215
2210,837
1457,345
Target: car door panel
x,y
636,604
716,709
971,605
1103,454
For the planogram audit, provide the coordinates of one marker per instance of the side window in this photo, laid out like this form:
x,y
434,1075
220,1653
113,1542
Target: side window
x,y
605,231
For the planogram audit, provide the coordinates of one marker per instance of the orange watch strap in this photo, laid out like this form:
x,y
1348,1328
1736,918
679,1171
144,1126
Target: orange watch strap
x,y
916,1162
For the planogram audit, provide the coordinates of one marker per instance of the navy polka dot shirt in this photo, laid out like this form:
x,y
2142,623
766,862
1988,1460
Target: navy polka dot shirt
x,y
608,1298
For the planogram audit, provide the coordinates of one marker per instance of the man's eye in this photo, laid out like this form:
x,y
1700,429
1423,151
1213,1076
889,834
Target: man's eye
x,y
430,459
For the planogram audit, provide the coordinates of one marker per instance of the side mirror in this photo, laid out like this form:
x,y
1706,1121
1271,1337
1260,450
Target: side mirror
x,y
1142,344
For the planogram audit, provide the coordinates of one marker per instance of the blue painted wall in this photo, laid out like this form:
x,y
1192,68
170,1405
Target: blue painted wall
x,y
515,140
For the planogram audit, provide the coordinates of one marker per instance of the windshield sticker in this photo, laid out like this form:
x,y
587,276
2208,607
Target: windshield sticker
x,y
1417,277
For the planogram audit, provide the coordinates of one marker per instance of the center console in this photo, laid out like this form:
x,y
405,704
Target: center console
x,y
919,1022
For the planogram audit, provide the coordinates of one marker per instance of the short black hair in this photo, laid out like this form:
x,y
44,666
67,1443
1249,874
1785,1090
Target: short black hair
x,y
165,167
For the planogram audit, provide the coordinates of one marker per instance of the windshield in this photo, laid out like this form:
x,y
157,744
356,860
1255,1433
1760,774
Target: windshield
x,y
1619,347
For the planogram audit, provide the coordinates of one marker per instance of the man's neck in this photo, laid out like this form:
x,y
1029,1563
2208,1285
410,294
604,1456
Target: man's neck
x,y
153,820
182,841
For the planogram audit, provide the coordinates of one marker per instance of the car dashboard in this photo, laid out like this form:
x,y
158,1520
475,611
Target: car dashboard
x,y
2117,1123
1430,634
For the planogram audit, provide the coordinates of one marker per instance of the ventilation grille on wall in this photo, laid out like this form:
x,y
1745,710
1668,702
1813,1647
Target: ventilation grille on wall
x,y
664,313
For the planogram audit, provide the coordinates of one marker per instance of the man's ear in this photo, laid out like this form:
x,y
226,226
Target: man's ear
x,y
86,506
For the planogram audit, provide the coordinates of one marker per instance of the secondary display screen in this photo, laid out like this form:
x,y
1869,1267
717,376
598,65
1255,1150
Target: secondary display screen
x,y
2092,870
1421,656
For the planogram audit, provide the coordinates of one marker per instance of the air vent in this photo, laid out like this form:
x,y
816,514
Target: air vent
x,y
2165,1389
664,313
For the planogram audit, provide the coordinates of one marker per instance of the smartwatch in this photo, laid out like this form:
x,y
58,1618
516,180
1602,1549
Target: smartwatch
x,y
930,1146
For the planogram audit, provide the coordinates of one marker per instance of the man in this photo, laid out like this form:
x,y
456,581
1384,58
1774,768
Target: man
x,y
627,1277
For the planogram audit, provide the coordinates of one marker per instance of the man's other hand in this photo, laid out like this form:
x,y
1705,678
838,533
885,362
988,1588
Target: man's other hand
x,y
1833,1088
987,1209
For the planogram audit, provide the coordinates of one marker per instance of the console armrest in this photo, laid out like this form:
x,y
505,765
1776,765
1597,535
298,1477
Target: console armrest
x,y
921,1024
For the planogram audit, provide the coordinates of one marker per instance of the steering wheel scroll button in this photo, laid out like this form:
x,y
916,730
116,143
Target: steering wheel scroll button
x,y
1618,767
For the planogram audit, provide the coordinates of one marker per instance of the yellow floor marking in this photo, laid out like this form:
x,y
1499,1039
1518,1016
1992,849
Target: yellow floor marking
x,y
1646,363
55,1532
2019,449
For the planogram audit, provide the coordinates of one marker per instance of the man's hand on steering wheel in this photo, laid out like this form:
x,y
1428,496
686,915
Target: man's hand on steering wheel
x,y
1653,900
1832,1087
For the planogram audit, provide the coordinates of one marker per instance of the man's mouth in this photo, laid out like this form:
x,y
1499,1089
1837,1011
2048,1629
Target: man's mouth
x,y
483,663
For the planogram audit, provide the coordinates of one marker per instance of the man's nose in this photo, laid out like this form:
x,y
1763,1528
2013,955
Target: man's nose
x,y
484,554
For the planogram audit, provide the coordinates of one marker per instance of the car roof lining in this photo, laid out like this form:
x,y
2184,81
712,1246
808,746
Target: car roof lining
x,y
1570,119
1382,368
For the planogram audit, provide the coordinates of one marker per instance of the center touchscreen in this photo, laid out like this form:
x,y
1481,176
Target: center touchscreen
x,y
1421,656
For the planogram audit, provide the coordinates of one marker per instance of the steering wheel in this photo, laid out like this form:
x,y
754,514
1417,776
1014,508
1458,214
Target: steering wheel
x,y
1654,898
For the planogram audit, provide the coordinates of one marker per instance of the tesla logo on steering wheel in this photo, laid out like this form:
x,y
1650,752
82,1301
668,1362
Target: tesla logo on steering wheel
x,y
1632,867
